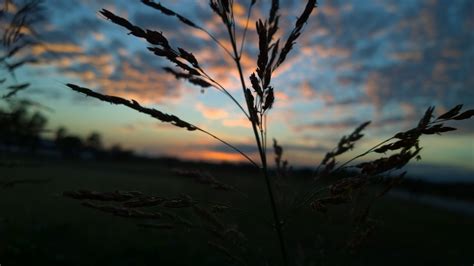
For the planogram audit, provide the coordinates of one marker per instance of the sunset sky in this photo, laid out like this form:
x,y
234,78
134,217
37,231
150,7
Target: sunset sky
x,y
381,60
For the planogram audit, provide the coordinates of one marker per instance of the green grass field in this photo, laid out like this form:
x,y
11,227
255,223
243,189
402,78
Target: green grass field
x,y
38,226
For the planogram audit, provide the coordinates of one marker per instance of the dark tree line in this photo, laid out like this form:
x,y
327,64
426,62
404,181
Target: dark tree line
x,y
21,127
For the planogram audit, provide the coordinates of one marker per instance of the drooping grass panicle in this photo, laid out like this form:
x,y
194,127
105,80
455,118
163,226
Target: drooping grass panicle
x,y
180,57
14,89
281,164
273,16
205,179
162,47
166,118
224,9
169,12
18,35
14,39
136,106
192,79
117,196
15,48
123,211
136,205
26,16
13,66
453,114
404,147
408,140
345,144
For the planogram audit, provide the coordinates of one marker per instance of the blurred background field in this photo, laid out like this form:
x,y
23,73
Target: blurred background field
x,y
38,226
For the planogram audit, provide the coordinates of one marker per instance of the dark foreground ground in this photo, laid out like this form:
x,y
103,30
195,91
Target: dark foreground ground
x,y
38,226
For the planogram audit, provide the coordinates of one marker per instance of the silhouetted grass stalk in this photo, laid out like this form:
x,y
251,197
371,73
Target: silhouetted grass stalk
x,y
263,158
269,58
156,114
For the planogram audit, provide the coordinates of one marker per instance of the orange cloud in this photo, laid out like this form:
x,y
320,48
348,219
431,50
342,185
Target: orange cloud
x,y
329,10
324,51
239,122
211,113
56,48
376,89
408,56
451,53
307,91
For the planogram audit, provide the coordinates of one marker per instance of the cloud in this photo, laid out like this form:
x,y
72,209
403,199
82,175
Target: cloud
x,y
237,122
309,93
325,52
211,113
67,48
332,125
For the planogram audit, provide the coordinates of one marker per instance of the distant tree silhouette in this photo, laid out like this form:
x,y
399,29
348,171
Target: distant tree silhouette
x,y
116,152
60,133
21,128
94,144
94,141
19,20
69,146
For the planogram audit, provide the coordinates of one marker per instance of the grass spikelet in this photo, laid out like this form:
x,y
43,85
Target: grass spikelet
x,y
296,32
144,201
166,118
281,165
191,78
204,178
157,226
345,144
118,196
183,201
136,106
159,7
122,212
14,89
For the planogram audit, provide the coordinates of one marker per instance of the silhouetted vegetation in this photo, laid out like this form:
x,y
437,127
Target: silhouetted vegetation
x,y
190,200
356,190
20,127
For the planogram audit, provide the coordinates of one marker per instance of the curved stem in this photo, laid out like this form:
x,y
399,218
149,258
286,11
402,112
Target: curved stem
x,y
226,92
215,40
363,154
245,30
311,193
229,145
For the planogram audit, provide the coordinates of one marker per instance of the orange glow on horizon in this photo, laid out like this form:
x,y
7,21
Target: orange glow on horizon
x,y
215,156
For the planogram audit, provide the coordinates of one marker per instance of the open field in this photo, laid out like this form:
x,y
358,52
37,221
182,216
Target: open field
x,y
38,226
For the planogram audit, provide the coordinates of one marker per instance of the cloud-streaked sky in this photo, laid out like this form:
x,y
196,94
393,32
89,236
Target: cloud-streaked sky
x,y
380,60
